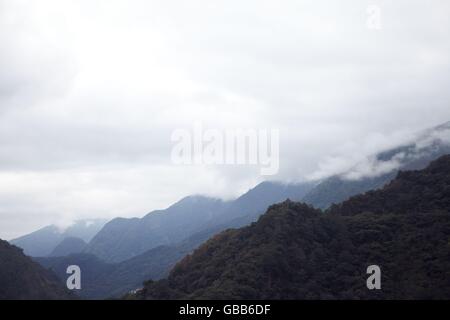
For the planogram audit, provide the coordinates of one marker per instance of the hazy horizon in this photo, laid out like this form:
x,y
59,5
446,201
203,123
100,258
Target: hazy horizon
x,y
91,91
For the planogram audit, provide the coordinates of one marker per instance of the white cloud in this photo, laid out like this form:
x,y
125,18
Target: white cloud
x,y
366,163
95,88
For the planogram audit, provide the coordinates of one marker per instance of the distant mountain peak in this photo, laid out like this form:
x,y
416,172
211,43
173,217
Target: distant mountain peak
x,y
42,242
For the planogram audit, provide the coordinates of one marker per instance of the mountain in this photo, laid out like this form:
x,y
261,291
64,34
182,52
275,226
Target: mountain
x,y
69,245
103,280
249,206
92,269
295,251
153,264
42,242
84,229
21,278
122,239
428,146
121,277
336,189
112,280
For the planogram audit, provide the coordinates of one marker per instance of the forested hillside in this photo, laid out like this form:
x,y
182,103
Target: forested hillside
x,y
297,252
22,278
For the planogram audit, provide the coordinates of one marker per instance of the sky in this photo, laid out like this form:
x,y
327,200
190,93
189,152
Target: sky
x,y
91,92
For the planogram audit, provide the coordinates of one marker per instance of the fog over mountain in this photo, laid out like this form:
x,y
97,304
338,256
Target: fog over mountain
x,y
122,238
297,252
376,170
44,241
91,91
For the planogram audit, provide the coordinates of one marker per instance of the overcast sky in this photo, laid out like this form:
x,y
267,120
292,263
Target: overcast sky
x,y
90,92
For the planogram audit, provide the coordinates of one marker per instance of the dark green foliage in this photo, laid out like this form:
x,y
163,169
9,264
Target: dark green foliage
x,y
297,252
21,278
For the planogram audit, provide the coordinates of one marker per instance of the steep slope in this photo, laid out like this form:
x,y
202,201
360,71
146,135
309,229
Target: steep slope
x,y
337,189
40,242
84,229
122,239
107,280
43,241
157,262
428,146
69,245
249,206
101,280
297,252
92,270
21,278
153,264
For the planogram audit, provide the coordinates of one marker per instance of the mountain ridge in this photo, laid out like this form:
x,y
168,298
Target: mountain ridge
x,y
42,242
295,251
417,154
122,238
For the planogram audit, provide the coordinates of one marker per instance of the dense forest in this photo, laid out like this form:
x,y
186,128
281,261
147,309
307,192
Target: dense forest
x,y
22,278
297,252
